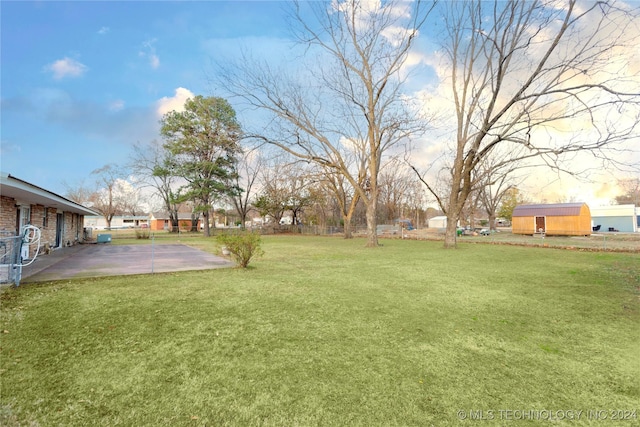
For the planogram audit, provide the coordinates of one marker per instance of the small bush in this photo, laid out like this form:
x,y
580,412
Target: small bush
x,y
242,245
142,233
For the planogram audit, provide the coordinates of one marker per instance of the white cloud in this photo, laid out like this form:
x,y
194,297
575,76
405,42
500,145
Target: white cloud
x,y
154,61
364,12
66,67
174,103
7,148
104,30
116,105
149,52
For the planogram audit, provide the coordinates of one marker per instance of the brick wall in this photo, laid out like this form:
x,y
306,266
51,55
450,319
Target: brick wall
x,y
8,214
72,228
46,220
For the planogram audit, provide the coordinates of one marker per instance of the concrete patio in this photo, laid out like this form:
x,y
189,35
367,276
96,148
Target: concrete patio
x,y
95,260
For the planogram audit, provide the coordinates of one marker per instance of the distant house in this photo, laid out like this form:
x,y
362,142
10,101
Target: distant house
x,y
160,221
561,219
438,222
119,221
623,218
60,220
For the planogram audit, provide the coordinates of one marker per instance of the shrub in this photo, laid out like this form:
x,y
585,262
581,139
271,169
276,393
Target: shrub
x,y
142,233
242,245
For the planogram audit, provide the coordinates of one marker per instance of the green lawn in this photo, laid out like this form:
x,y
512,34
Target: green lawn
x,y
325,332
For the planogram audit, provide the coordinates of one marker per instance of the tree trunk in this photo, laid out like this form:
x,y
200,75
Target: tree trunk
x,y
205,215
372,223
175,223
451,233
347,227
492,222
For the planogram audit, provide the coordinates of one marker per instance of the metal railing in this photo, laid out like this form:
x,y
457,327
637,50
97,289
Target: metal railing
x,y
10,258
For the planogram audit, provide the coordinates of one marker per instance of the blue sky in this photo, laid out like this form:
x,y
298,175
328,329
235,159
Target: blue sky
x,y
82,81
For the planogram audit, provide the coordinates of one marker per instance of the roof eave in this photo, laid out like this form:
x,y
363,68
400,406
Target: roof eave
x,y
21,190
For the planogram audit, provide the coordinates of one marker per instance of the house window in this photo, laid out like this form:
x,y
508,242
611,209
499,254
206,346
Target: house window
x,y
45,218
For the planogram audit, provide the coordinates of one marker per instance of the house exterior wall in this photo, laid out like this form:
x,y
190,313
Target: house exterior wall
x,y
121,221
160,224
46,220
438,222
157,224
72,231
619,217
8,213
620,223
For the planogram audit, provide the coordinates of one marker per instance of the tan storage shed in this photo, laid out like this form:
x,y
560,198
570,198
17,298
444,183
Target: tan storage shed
x,y
561,219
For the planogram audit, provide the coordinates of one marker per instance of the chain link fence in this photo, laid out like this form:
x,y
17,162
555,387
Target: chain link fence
x,y
624,242
10,258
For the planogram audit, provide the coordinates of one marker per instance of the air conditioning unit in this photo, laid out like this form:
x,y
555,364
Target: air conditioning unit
x,y
103,238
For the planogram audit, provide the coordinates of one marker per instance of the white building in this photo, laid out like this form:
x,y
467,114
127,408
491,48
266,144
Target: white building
x,y
623,218
438,222
99,222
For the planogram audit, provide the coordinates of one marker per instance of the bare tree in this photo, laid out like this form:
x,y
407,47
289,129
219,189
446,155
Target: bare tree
x,y
498,178
416,203
108,198
396,182
349,100
347,198
154,167
529,73
79,193
298,181
283,188
248,169
631,189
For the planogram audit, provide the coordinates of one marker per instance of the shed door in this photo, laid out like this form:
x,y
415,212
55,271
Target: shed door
x,y
541,225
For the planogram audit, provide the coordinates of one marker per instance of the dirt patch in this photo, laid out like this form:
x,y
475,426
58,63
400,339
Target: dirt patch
x,y
613,242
